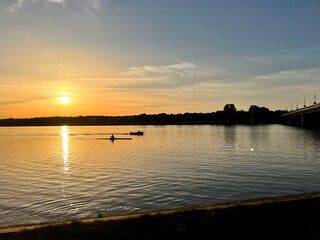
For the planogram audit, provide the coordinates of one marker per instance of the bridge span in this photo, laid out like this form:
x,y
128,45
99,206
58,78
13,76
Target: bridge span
x,y
308,117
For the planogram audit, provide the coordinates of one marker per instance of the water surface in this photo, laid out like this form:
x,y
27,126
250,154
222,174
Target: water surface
x,y
55,173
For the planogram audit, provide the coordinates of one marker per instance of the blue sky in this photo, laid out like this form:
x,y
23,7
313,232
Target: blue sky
x,y
116,57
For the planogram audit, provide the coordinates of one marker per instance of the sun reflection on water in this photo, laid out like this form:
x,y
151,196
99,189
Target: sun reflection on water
x,y
65,148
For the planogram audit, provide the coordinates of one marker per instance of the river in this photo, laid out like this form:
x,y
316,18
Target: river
x,y
68,172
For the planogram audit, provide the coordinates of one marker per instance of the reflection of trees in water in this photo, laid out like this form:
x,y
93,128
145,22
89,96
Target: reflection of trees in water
x,y
259,136
230,133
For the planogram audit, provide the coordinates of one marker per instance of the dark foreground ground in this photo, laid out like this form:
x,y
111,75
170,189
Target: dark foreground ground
x,y
285,217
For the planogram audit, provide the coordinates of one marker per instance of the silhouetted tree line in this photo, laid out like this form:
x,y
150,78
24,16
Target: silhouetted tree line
x,y
229,115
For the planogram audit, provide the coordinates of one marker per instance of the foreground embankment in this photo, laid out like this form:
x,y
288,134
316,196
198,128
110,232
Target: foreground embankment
x,y
282,217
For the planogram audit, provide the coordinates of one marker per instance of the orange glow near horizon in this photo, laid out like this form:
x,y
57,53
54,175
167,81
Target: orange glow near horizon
x,y
83,101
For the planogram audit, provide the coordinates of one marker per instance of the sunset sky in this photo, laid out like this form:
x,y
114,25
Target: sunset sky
x,y
125,57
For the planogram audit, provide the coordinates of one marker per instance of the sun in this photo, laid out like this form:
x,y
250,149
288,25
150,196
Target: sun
x,y
64,100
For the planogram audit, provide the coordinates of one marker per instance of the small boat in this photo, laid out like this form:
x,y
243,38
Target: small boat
x,y
113,139
136,133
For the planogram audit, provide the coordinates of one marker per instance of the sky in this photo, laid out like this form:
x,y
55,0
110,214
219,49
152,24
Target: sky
x,y
127,57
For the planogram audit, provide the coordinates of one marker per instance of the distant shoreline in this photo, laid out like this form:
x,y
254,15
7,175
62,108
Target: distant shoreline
x,y
255,115
140,124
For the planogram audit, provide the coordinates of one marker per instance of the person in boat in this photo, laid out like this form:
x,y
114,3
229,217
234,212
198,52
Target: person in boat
x,y
112,138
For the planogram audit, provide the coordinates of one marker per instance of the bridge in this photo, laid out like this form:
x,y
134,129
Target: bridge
x,y
308,117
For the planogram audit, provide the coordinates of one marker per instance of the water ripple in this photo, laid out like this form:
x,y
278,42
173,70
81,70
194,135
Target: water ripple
x,y
55,173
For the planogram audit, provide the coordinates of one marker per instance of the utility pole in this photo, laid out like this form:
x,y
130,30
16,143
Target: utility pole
x,y
304,103
314,99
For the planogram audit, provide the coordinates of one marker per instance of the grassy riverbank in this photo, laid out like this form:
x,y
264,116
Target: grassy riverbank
x,y
284,217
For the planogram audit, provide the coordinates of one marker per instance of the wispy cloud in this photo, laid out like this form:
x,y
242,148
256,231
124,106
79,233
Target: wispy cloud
x,y
182,69
290,57
264,60
288,89
304,50
56,1
14,7
285,56
95,4
22,101
291,77
89,7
